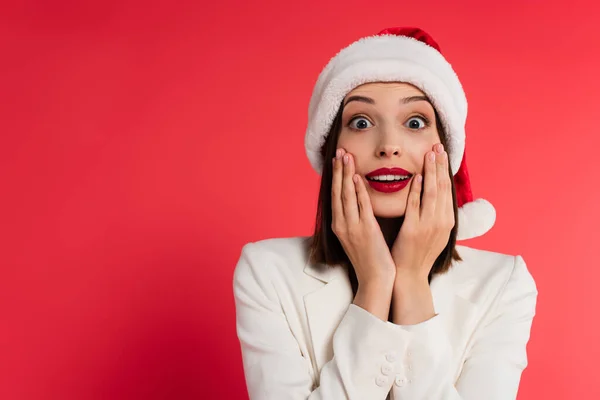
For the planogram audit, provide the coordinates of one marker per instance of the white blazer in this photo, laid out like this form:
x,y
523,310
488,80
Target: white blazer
x,y
302,338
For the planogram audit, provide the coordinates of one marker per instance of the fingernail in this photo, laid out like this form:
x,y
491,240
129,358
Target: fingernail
x,y
345,158
419,178
431,156
338,153
440,148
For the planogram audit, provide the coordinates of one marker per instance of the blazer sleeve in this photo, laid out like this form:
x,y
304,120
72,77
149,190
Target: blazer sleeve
x,y
364,346
494,364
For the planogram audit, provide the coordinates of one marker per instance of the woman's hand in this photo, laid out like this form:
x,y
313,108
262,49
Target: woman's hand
x,y
354,224
426,227
422,237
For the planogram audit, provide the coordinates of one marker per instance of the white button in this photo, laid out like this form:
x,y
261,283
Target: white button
x,y
391,357
400,380
387,368
381,380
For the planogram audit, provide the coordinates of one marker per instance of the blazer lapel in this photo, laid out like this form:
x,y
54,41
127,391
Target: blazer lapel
x,y
452,300
325,308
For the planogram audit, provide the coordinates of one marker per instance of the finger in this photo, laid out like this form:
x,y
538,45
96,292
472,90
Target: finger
x,y
349,199
449,199
364,201
429,186
443,183
413,205
336,193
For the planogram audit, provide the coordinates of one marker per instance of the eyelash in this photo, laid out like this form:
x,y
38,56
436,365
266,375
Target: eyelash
x,y
425,119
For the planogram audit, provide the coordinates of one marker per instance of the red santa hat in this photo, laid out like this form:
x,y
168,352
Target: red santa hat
x,y
402,55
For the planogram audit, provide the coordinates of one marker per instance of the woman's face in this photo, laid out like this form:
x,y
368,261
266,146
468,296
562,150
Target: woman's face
x,y
388,125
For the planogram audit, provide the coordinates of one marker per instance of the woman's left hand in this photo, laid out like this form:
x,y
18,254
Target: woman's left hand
x,y
427,226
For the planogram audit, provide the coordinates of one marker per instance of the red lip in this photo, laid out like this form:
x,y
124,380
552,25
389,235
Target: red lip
x,y
389,187
389,171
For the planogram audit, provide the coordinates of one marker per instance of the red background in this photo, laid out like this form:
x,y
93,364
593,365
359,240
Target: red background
x,y
143,143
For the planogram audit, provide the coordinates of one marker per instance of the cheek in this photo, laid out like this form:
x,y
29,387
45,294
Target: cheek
x,y
351,140
356,145
421,150
417,156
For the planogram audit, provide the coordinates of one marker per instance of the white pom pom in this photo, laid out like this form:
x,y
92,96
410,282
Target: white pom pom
x,y
475,218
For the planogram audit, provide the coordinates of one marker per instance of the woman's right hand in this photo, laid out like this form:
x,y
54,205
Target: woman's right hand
x,y
354,224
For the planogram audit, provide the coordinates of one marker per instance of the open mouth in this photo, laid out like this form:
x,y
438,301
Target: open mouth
x,y
389,183
388,179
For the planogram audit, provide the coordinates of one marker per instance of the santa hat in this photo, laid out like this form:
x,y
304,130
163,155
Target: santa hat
x,y
402,55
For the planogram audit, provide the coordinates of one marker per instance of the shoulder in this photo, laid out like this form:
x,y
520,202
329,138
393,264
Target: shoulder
x,y
488,273
284,250
294,246
273,258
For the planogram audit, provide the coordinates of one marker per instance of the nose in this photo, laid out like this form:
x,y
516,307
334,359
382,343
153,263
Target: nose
x,y
388,150
389,141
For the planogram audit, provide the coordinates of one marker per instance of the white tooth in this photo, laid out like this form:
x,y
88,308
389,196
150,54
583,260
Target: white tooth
x,y
386,178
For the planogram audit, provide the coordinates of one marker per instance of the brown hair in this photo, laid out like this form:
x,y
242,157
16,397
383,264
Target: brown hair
x,y
325,247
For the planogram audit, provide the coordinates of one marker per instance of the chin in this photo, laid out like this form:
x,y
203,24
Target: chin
x,y
390,207
389,212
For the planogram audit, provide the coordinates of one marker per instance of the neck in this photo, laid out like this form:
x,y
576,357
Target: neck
x,y
390,228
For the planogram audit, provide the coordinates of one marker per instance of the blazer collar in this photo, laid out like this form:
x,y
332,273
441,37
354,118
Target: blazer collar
x,y
442,286
325,273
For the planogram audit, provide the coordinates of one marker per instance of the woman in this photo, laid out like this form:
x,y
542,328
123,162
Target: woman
x,y
381,302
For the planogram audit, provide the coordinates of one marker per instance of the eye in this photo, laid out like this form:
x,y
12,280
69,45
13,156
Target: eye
x,y
417,123
362,123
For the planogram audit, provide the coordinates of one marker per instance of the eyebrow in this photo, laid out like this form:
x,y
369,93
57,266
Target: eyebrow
x,y
369,100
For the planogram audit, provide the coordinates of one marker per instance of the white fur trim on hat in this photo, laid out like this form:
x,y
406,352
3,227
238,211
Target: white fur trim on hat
x,y
387,58
475,218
